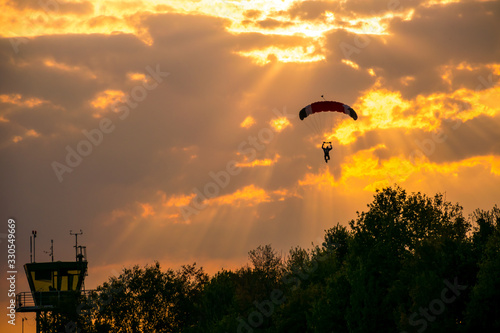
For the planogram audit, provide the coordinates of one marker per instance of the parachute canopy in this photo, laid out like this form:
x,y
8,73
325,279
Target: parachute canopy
x,y
327,106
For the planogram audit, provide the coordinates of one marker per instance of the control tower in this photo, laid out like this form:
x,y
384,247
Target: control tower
x,y
54,286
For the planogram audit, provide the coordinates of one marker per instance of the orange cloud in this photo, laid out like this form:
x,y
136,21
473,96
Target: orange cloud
x,y
68,68
248,122
270,18
105,99
147,210
30,133
364,170
254,163
249,195
280,124
176,200
291,54
379,108
137,77
17,99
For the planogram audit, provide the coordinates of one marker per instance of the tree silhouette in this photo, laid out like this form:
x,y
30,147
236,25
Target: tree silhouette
x,y
409,263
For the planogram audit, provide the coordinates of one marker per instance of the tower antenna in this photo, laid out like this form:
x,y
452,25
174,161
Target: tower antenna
x,y
76,241
33,232
51,253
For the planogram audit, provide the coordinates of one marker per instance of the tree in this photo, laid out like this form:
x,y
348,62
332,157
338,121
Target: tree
x,y
404,247
217,304
266,260
148,300
483,312
409,263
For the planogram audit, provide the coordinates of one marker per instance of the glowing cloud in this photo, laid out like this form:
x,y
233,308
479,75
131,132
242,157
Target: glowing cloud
x,y
364,170
147,210
17,99
104,100
248,122
380,108
273,53
241,17
248,196
263,162
280,124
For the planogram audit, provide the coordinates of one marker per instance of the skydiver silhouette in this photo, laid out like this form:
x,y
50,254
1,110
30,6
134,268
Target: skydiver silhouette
x,y
326,150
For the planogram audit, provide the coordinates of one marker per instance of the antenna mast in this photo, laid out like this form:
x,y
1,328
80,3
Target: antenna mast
x,y
33,237
51,253
76,241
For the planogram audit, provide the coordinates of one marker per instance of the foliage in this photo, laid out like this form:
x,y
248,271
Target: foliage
x,y
410,263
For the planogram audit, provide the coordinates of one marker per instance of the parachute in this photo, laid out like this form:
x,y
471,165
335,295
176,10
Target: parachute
x,y
327,106
323,117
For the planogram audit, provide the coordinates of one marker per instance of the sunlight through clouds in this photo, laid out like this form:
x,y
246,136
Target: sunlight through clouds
x,y
384,109
215,160
297,54
365,171
272,18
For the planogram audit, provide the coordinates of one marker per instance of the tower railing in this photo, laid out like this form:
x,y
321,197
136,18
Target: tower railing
x,y
49,300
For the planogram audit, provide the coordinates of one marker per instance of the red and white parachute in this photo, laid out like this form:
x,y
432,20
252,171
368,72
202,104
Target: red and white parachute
x,y
323,116
327,106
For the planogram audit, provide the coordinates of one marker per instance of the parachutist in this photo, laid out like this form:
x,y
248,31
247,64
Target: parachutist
x,y
326,150
333,107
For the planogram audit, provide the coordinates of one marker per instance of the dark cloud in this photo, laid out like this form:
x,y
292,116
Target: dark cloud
x,y
252,14
273,24
456,141
312,10
419,48
377,7
456,32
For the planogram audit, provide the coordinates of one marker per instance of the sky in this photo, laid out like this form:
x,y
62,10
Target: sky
x,y
168,130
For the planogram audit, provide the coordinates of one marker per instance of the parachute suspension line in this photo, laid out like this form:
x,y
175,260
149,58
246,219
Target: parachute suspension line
x,y
310,125
331,125
315,124
319,123
325,119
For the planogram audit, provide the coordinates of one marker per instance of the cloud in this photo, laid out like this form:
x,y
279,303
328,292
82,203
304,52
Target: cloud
x,y
313,10
256,162
59,6
248,122
413,49
427,105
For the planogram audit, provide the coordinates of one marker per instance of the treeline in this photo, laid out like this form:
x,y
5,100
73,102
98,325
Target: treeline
x,y
410,263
